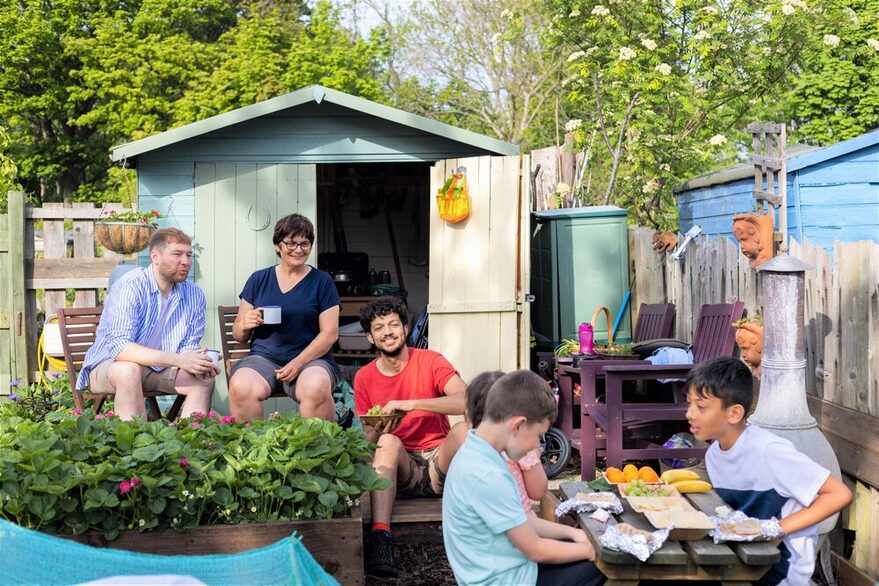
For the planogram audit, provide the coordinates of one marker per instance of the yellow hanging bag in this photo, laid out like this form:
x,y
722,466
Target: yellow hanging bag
x,y
453,200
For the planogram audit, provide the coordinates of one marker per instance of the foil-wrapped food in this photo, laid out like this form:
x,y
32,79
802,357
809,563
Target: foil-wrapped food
x,y
626,538
737,526
586,502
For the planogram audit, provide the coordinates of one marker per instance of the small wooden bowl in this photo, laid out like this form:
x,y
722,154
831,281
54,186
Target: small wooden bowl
x,y
374,420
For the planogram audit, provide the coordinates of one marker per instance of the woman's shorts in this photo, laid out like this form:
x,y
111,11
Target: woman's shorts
x,y
266,369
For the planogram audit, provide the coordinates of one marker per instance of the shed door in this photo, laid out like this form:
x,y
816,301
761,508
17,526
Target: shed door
x,y
13,335
236,207
480,268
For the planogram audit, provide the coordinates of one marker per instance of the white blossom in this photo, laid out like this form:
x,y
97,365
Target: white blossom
x,y
664,68
576,55
562,188
627,54
787,9
665,167
600,10
709,9
185,493
831,41
572,125
873,44
496,38
252,509
649,44
651,186
590,51
574,13
141,523
508,14
717,140
702,35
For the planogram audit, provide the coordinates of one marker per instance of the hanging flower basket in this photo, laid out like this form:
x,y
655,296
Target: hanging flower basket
x,y
126,232
123,237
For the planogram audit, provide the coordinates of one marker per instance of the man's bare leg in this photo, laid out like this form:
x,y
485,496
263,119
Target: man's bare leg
x,y
198,392
453,442
125,378
390,461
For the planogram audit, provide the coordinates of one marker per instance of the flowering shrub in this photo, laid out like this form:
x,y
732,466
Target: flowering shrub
x,y
132,217
70,474
36,400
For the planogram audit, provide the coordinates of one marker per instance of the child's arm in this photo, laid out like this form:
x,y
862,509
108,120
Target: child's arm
x,y
550,550
833,496
534,475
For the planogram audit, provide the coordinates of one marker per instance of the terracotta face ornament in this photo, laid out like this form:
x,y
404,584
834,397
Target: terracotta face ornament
x,y
754,233
749,338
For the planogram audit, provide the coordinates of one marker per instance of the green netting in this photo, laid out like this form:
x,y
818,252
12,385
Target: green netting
x,y
31,557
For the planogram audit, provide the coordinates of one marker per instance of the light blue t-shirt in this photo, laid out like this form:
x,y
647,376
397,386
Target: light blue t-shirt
x,y
480,504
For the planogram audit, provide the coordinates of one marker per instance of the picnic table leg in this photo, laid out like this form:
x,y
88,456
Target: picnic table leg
x,y
588,445
613,398
566,402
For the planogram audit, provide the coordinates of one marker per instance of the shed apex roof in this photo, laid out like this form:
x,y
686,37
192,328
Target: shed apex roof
x,y
798,157
318,94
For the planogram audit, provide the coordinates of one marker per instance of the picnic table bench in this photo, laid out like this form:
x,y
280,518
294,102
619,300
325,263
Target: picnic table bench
x,y
731,563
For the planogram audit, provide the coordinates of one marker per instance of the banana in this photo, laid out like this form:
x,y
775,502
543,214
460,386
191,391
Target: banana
x,y
670,476
685,486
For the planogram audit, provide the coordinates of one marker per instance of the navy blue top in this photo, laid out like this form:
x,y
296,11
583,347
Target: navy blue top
x,y
301,307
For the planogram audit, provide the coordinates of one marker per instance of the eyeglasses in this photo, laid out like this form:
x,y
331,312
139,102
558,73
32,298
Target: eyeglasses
x,y
304,246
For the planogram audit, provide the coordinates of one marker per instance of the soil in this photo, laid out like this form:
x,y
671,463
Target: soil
x,y
420,564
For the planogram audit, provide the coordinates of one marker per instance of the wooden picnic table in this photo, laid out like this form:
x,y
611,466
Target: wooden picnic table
x,y
731,563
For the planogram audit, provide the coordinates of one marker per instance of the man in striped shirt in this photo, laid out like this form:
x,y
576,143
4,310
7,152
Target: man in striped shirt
x,y
150,333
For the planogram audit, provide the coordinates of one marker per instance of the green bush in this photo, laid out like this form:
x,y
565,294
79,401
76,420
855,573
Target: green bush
x,y
70,474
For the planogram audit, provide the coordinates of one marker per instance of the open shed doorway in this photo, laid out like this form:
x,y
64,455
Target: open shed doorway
x,y
373,231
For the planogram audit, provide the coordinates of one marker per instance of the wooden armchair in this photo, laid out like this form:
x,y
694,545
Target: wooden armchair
x,y
79,327
714,336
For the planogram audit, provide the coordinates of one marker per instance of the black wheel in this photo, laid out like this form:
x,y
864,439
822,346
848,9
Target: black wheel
x,y
555,452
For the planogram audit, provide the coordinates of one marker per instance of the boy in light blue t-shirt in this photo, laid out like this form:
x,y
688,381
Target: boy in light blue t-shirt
x,y
488,538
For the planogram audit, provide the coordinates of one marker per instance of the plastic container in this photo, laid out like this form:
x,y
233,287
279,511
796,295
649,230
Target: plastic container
x,y
352,338
585,334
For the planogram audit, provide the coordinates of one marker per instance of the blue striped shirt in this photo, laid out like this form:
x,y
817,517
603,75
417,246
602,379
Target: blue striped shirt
x,y
132,309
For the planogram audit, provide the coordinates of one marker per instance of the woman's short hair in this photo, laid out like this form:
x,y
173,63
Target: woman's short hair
x,y
293,225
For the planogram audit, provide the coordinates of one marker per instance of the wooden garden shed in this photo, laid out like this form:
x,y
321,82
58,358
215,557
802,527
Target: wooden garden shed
x,y
832,194
367,175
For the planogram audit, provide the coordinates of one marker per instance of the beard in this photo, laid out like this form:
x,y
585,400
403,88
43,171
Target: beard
x,y
393,352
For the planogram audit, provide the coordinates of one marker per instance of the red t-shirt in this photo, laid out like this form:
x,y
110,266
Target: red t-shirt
x,y
424,377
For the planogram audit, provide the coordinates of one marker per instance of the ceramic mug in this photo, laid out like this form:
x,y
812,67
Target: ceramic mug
x,y
214,355
271,314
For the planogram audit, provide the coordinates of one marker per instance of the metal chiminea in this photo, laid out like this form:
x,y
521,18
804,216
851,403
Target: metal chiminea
x,y
781,406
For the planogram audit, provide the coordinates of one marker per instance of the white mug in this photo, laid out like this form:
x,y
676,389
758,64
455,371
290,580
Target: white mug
x,y
271,314
214,355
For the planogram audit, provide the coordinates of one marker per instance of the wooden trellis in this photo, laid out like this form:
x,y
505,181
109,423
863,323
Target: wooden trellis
x,y
770,174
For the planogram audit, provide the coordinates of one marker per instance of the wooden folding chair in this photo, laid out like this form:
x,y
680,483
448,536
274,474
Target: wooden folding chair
x,y
79,327
714,337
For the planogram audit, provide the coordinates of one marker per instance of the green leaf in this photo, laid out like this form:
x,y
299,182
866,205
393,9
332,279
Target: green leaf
x,y
147,454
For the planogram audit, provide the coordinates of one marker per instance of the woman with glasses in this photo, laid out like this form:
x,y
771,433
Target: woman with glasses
x,y
293,356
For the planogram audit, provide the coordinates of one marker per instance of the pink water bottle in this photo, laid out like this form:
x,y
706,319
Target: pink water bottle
x,y
585,332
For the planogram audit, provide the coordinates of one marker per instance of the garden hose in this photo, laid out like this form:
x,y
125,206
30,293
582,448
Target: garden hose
x,y
46,362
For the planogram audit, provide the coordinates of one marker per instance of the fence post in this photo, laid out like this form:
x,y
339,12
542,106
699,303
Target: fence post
x,y
12,301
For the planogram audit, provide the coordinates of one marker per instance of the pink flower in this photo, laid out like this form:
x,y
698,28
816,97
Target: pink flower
x,y
99,416
124,487
110,414
197,415
134,482
213,414
227,419
77,411
184,463
195,424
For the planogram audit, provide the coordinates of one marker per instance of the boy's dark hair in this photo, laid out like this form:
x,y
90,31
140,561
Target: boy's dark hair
x,y
381,307
293,225
726,378
165,236
477,392
521,393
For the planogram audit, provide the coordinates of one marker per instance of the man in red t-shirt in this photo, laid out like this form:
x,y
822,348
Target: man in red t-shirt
x,y
416,453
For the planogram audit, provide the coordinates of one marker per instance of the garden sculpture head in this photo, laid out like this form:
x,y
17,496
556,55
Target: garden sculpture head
x,y
754,233
749,338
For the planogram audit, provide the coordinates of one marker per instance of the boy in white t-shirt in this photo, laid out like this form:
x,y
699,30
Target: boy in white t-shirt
x,y
758,472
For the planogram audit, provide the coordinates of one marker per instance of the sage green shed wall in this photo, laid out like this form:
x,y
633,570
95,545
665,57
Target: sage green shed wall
x,y
238,205
314,133
579,261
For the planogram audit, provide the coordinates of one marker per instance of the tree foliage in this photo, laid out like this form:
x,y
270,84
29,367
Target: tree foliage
x,y
662,86
77,77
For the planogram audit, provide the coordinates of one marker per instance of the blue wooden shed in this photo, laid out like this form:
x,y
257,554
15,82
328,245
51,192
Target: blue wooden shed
x,y
832,193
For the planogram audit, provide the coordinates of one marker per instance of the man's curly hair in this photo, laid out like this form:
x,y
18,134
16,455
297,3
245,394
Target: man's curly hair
x,y
381,307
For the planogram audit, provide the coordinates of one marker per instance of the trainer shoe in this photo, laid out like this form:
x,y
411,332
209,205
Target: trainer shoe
x,y
381,555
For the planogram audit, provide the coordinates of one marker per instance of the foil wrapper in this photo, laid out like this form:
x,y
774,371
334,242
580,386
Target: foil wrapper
x,y
737,526
584,506
637,545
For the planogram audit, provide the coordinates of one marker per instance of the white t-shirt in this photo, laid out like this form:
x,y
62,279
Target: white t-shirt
x,y
765,476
